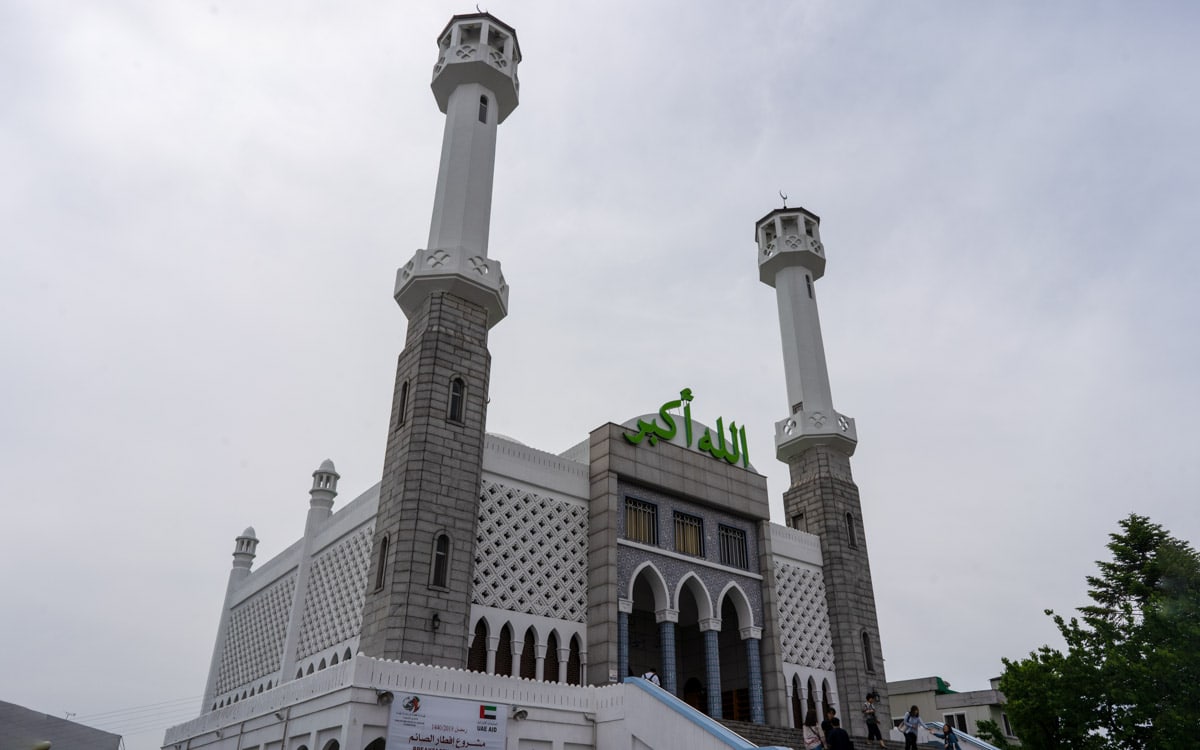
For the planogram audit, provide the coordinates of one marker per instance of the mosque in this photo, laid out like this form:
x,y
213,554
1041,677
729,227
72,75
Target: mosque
x,y
509,591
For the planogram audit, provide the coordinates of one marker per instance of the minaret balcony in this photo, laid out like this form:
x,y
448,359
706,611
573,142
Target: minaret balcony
x,y
789,237
478,48
470,276
805,429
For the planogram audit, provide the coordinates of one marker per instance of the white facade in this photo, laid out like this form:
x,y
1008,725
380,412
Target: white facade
x,y
587,566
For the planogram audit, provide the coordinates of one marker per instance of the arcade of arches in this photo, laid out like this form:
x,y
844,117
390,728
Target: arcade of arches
x,y
705,653
555,659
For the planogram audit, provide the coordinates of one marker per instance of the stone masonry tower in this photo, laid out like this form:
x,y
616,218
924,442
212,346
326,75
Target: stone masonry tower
x,y
816,443
419,591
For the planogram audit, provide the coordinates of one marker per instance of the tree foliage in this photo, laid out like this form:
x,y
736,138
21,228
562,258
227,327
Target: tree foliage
x,y
989,731
1130,676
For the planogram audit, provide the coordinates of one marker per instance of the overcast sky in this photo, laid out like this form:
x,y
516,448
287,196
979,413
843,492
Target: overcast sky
x,y
203,206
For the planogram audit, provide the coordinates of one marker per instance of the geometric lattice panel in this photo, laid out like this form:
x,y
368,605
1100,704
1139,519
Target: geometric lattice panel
x,y
257,628
804,617
337,585
531,554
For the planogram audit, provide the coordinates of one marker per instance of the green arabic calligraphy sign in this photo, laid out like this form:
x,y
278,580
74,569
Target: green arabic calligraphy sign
x,y
652,432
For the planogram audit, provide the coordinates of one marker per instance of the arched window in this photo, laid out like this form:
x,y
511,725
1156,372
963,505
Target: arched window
x,y
378,743
299,673
381,564
347,656
334,660
529,656
332,745
268,684
811,703
310,669
441,561
504,652
851,536
400,416
322,665
483,107
458,397
867,655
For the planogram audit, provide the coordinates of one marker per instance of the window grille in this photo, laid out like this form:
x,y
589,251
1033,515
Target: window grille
x,y
689,535
641,521
733,547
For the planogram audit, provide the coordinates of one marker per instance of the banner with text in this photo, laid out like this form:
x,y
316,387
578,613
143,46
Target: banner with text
x,y
426,722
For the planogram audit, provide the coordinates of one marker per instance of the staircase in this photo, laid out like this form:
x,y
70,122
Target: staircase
x,y
763,735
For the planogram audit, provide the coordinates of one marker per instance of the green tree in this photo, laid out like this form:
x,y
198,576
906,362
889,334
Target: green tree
x,y
989,731
1130,677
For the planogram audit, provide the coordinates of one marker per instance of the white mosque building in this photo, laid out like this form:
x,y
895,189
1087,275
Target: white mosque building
x,y
487,593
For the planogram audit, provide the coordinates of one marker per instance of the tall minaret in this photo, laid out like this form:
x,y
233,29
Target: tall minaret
x,y
816,443
419,592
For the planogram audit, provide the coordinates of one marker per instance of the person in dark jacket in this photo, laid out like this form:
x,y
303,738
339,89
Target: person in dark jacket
x,y
838,738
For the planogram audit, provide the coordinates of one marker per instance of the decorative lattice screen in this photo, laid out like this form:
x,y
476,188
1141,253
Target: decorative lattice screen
x,y
254,642
336,589
803,617
531,554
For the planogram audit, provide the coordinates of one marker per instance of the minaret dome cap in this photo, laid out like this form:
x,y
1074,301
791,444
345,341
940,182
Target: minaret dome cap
x,y
327,465
249,533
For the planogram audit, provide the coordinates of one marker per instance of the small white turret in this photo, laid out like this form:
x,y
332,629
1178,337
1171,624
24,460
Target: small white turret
x,y
244,548
791,258
324,488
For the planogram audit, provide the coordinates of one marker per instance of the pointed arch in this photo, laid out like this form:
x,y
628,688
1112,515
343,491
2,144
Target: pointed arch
x,y
529,654
333,660
692,582
574,662
322,665
477,653
811,704
826,700
504,655
550,666
741,603
347,656
797,703
654,579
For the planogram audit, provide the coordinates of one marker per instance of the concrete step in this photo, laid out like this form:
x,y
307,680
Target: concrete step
x,y
764,735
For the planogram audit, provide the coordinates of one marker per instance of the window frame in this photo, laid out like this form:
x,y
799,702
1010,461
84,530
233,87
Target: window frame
x,y
648,521
456,409
727,538
439,563
690,524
